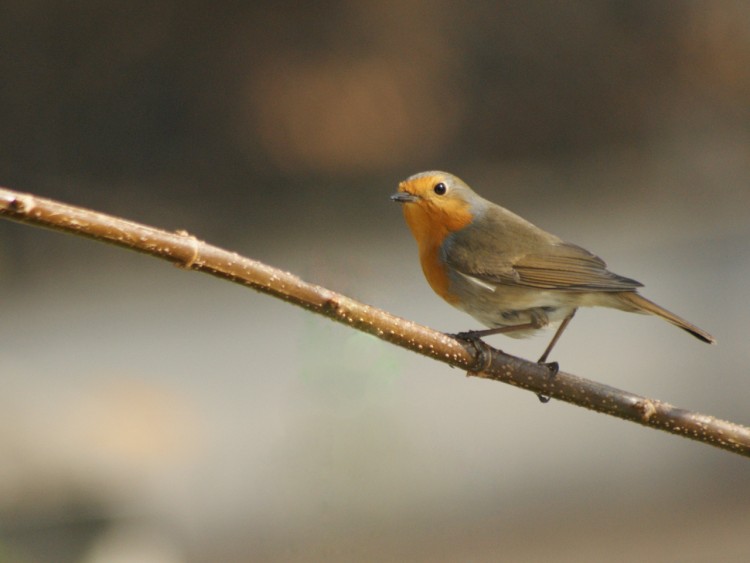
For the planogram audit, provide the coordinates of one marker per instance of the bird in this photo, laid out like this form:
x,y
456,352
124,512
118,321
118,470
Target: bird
x,y
506,272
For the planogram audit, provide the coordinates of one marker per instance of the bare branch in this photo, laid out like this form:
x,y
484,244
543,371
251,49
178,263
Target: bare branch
x,y
188,252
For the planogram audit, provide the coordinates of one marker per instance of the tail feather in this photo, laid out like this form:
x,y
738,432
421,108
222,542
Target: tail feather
x,y
643,305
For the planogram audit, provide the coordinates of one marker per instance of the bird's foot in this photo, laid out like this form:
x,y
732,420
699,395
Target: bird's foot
x,y
484,350
469,335
553,368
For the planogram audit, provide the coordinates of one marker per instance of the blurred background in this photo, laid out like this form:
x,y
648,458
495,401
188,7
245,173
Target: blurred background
x,y
152,415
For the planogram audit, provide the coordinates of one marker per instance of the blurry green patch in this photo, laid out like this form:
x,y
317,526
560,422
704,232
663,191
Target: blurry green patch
x,y
8,555
344,367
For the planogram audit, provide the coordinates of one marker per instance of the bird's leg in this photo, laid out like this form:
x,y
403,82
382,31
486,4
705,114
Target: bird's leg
x,y
553,367
537,321
475,334
556,337
482,348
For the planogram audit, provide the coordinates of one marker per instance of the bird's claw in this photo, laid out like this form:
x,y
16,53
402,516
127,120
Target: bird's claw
x,y
484,351
553,368
469,335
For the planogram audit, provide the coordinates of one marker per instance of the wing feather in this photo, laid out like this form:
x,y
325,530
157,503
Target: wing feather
x,y
571,268
550,264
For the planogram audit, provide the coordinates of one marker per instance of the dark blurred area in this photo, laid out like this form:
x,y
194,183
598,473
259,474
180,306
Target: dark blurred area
x,y
152,415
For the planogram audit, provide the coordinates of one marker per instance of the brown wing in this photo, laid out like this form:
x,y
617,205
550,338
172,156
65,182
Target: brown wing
x,y
541,261
569,267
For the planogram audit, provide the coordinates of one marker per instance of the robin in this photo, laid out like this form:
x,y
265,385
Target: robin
x,y
510,275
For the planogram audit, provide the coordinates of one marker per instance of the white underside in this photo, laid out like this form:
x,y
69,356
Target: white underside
x,y
503,305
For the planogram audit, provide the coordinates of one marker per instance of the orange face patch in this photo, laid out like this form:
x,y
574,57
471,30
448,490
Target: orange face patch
x,y
431,218
434,215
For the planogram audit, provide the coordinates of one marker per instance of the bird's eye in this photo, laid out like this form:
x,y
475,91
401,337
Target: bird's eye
x,y
440,188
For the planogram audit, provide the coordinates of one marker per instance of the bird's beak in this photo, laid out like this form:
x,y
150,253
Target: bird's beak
x,y
404,197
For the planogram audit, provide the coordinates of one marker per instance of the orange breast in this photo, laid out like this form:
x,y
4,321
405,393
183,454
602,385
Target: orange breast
x,y
436,273
430,227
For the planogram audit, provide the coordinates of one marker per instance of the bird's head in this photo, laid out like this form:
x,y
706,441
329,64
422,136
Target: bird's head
x,y
437,204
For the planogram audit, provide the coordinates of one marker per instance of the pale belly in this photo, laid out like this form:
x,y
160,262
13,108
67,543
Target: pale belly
x,y
502,306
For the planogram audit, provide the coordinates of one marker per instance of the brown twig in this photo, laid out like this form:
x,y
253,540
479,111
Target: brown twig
x,y
188,252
